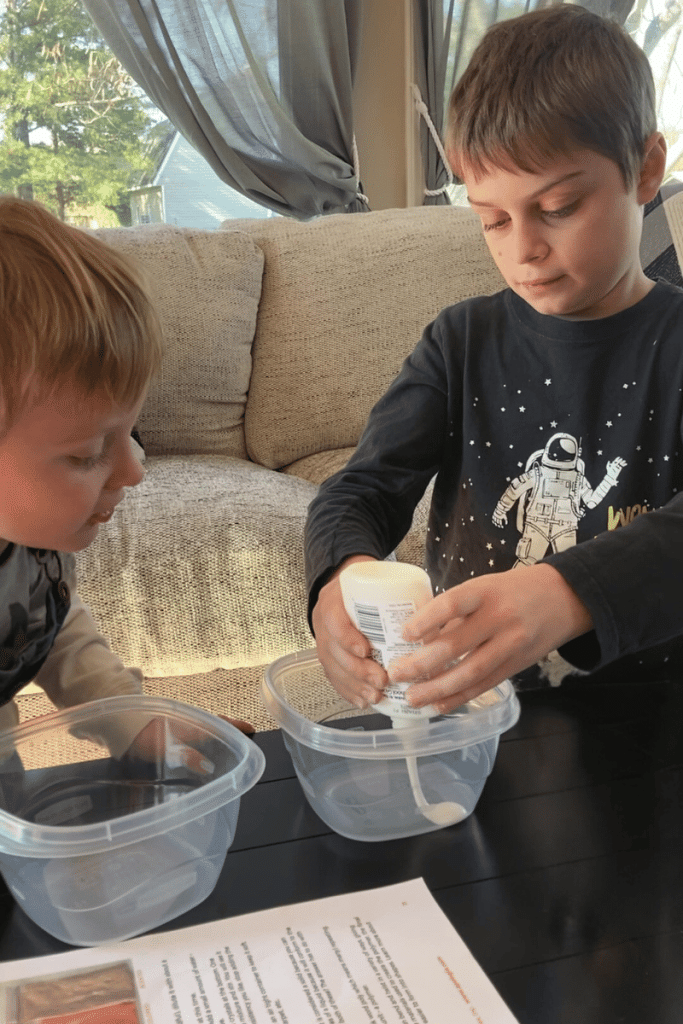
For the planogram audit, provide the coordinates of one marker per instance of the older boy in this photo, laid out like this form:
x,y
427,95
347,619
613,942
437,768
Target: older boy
x,y
80,342
541,409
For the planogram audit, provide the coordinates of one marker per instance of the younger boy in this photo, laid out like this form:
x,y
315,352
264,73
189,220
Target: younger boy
x,y
80,342
541,409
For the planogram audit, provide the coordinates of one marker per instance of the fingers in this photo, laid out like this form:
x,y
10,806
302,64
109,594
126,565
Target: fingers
x,y
500,624
246,727
480,670
344,652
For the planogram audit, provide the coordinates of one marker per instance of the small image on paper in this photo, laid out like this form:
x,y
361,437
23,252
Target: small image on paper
x,y
101,995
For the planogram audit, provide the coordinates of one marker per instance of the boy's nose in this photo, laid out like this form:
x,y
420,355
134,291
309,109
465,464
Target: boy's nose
x,y
127,470
528,244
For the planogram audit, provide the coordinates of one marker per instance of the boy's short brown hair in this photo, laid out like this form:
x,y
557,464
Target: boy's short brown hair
x,y
71,309
549,82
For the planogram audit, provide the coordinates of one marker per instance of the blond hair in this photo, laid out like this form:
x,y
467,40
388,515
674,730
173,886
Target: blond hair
x,y
71,309
549,82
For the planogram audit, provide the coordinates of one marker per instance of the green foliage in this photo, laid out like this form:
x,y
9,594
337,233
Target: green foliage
x,y
73,121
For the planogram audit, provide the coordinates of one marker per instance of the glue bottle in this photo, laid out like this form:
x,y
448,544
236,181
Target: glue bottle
x,y
379,597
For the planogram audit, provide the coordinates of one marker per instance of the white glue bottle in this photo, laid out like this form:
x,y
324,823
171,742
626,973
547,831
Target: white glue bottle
x,y
379,597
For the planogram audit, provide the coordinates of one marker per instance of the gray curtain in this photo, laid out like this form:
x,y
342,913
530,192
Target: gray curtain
x,y
261,88
433,21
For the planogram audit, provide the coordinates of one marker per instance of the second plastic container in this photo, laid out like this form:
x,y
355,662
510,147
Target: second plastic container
x,y
353,766
97,848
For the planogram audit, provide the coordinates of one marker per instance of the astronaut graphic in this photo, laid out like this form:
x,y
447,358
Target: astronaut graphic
x,y
552,495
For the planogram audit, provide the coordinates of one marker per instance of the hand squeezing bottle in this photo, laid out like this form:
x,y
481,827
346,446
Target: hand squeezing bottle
x,y
379,597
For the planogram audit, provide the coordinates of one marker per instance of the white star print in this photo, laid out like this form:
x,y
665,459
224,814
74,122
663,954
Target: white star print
x,y
490,561
489,546
553,424
666,458
548,381
522,409
609,423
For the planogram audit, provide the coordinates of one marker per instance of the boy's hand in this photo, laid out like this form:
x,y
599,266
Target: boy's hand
x,y
175,744
497,624
342,650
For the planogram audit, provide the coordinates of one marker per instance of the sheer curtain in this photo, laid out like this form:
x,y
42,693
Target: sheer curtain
x,y
261,88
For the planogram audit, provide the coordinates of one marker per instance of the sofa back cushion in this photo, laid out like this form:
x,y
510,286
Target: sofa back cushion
x,y
345,299
207,286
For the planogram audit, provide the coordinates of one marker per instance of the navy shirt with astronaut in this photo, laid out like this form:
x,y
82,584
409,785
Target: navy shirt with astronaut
x,y
548,437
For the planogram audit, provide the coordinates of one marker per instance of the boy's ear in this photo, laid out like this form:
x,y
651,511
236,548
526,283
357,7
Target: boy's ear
x,y
652,169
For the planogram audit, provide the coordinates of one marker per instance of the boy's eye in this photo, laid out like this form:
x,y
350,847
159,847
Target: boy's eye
x,y
87,462
564,211
496,224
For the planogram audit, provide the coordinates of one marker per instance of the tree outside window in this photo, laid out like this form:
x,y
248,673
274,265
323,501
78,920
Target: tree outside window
x,y
73,124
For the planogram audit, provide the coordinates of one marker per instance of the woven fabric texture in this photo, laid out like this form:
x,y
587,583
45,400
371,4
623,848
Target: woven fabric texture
x,y
345,299
201,568
232,692
207,286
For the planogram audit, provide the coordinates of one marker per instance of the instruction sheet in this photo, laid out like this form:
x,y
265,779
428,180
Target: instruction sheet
x,y
382,956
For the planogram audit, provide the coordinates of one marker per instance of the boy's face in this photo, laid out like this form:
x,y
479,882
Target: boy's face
x,y
566,239
64,465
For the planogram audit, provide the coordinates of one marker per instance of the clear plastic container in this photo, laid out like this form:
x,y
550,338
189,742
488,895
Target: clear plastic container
x,y
95,847
355,769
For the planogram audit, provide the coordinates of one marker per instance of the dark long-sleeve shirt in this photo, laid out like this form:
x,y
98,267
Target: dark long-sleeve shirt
x,y
549,439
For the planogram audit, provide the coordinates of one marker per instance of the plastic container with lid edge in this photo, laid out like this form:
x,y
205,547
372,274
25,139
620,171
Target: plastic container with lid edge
x,y
26,839
369,781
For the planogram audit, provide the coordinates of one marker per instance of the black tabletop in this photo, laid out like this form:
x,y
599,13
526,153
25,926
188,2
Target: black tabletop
x,y
566,883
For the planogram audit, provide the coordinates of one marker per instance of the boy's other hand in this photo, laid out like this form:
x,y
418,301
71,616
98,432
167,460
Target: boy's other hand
x,y
343,651
174,744
488,628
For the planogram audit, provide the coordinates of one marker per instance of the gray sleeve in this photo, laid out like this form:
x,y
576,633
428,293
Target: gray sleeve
x,y
81,665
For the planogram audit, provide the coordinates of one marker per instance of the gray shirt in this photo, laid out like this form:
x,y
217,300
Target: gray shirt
x,y
47,635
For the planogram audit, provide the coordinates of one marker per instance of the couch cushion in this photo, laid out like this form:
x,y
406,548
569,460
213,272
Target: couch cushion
x,y
345,299
317,468
201,567
207,286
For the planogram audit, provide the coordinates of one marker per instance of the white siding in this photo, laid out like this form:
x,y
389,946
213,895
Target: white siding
x,y
194,196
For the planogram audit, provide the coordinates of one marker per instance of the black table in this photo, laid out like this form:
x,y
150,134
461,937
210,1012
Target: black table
x,y
566,883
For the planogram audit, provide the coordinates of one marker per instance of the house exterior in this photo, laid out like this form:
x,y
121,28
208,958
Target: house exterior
x,y
185,191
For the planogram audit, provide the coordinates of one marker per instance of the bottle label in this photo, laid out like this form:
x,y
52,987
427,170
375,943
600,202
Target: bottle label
x,y
382,624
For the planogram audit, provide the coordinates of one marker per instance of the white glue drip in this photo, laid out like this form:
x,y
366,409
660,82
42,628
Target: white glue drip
x,y
379,597
445,813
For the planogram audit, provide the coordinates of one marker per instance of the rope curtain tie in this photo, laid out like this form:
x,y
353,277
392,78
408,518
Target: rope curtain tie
x,y
421,108
356,171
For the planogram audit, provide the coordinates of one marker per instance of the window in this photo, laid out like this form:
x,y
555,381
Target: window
x,y
77,134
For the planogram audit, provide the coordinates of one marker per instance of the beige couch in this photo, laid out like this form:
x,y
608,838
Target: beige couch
x,y
280,336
